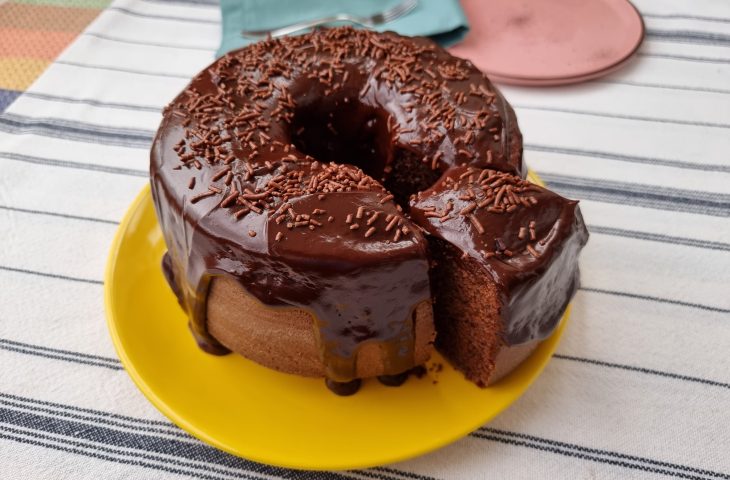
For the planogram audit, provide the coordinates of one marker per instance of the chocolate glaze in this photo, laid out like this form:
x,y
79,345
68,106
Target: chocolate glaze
x,y
356,292
238,191
344,389
529,250
394,380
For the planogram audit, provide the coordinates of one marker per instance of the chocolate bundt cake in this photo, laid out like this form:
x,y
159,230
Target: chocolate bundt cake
x,y
318,193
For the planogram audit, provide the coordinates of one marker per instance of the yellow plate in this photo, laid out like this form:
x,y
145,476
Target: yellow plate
x,y
253,412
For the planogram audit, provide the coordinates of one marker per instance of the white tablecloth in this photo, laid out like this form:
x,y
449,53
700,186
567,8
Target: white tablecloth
x,y
640,387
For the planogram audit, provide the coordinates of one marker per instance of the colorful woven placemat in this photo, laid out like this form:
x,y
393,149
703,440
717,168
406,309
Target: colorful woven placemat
x,y
33,33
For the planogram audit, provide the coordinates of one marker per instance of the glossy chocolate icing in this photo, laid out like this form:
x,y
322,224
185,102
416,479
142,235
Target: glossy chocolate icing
x,y
525,237
356,292
238,191
344,389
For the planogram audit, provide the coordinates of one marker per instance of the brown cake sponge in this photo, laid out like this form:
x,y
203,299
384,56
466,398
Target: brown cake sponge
x,y
284,338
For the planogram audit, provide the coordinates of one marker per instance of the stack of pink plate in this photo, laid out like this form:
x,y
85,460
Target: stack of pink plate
x,y
550,42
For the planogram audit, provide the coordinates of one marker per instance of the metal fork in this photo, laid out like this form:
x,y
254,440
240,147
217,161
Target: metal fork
x,y
403,8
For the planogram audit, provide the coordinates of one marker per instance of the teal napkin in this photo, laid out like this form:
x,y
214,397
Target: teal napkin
x,y
442,20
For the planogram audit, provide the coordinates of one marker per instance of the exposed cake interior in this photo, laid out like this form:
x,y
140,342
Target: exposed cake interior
x,y
284,338
466,312
408,175
504,267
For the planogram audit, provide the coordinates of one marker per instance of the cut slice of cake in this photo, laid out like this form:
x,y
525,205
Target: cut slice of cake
x,y
504,266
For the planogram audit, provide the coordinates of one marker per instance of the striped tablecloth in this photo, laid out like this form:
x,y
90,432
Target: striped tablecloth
x,y
640,387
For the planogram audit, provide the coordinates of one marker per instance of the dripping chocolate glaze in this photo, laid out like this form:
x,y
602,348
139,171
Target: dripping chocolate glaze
x,y
242,186
525,237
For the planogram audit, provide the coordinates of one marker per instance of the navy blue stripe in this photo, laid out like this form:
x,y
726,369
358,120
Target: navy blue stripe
x,y
526,107
599,190
720,197
114,364
587,289
67,356
565,357
627,158
619,232
73,165
402,473
168,429
212,49
134,423
124,70
686,17
530,438
528,146
650,298
688,88
583,456
60,215
7,97
597,451
93,103
88,411
640,195
655,237
594,228
623,116
648,371
181,465
51,275
38,442
146,43
685,57
73,130
37,353
151,446
137,424
617,82
689,36
171,430
81,355
374,474
187,77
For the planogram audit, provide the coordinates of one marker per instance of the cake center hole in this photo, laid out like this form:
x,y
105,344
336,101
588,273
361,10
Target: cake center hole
x,y
340,129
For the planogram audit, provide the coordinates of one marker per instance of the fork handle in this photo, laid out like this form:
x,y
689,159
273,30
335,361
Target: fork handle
x,y
296,27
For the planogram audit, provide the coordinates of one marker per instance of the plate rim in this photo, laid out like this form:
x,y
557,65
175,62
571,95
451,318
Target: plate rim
x,y
561,80
171,414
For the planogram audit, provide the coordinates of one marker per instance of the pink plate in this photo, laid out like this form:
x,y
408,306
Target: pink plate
x,y
549,42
